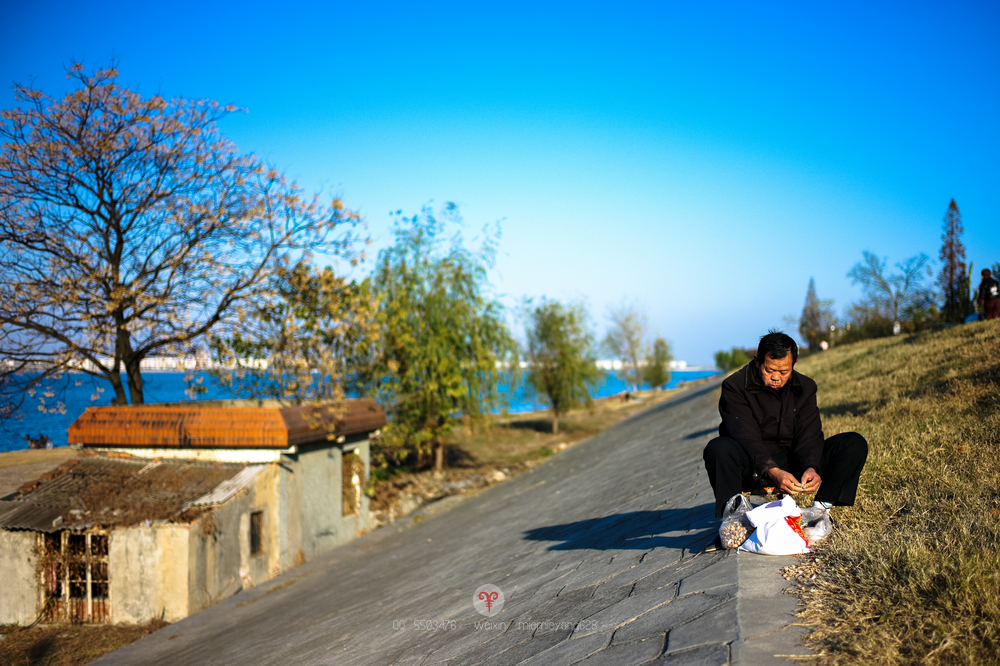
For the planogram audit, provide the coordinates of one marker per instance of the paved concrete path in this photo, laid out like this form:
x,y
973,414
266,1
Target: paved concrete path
x,y
598,554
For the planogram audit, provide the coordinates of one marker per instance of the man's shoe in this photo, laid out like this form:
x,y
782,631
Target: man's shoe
x,y
715,545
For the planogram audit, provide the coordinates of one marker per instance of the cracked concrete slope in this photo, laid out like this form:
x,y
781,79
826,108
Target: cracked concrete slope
x,y
597,553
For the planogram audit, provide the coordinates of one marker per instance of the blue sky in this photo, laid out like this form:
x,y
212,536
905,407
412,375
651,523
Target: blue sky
x,y
700,162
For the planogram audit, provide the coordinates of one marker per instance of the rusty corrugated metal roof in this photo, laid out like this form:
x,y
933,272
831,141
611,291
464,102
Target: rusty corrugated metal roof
x,y
192,425
105,491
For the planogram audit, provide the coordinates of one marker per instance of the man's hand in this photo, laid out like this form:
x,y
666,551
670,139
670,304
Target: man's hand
x,y
810,482
785,481
789,484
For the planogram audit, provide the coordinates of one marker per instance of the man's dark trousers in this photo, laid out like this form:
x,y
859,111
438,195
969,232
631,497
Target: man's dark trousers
x,y
730,471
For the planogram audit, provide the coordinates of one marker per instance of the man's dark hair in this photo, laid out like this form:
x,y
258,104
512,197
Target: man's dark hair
x,y
985,272
777,345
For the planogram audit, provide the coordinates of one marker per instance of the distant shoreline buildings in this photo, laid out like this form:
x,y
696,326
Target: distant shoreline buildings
x,y
198,364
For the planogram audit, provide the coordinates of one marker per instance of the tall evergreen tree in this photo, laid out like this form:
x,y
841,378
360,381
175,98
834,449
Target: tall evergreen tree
x,y
953,277
817,318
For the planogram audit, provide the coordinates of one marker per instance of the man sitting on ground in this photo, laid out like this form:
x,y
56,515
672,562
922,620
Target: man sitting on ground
x,y
988,295
771,434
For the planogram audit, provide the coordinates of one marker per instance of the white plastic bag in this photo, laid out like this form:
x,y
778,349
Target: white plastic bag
x,y
735,527
816,524
778,530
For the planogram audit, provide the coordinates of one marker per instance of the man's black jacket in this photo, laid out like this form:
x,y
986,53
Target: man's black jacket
x,y
762,419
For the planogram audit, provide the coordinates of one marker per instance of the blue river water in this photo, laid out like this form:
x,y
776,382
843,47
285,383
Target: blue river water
x,y
77,392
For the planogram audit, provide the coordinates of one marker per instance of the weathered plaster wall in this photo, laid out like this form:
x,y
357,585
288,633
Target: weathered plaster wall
x,y
318,482
148,568
290,514
214,557
221,563
321,512
18,587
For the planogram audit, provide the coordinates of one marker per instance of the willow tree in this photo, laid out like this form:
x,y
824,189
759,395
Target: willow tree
x,y
656,372
130,226
562,366
444,342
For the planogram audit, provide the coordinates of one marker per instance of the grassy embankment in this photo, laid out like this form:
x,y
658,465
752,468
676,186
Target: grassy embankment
x,y
912,574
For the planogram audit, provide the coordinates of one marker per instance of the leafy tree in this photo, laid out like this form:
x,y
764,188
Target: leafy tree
x,y
656,372
731,360
817,320
624,340
953,276
443,340
314,338
561,361
890,295
130,226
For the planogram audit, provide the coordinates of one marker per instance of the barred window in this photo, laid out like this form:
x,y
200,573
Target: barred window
x,y
74,570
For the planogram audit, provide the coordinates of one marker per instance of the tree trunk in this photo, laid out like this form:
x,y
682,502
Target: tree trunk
x,y
127,356
555,423
116,383
438,456
135,385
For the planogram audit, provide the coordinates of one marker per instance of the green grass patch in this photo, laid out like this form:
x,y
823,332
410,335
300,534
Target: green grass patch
x,y
912,573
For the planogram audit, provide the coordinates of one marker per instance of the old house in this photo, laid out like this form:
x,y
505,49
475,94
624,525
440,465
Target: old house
x,y
169,508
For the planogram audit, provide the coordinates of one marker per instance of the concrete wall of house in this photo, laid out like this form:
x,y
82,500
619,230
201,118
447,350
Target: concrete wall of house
x,y
290,514
221,562
319,477
148,571
19,588
175,570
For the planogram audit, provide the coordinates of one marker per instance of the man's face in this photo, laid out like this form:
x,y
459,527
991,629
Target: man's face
x,y
776,372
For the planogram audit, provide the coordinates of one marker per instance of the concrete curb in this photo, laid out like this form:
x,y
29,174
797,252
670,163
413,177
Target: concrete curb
x,y
768,629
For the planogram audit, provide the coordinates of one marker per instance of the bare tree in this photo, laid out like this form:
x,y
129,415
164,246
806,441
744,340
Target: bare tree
x,y
624,340
130,226
891,294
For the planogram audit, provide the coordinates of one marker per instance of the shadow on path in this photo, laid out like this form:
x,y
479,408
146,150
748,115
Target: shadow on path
x,y
635,530
702,433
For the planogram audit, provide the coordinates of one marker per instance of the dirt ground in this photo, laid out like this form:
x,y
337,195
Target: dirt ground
x,y
16,467
66,644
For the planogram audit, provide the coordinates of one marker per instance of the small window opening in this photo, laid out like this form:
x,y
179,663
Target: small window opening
x,y
256,532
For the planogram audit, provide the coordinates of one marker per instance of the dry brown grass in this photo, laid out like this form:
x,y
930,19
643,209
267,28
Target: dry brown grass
x,y
32,456
67,644
912,574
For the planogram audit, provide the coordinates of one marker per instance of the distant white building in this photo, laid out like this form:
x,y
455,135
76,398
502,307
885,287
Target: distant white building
x,y
616,364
